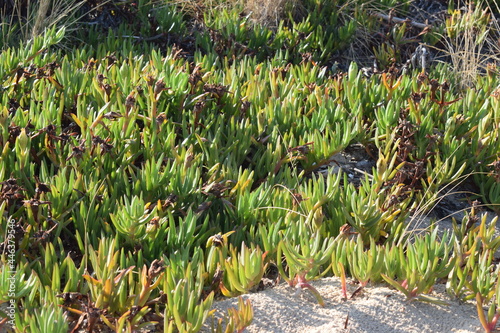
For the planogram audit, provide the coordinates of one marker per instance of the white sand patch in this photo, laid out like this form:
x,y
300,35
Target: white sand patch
x,y
376,309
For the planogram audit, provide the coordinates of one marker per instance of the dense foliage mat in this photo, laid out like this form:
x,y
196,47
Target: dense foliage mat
x,y
145,172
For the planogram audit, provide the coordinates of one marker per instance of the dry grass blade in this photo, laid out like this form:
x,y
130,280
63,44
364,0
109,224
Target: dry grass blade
x,y
472,41
27,20
269,13
41,15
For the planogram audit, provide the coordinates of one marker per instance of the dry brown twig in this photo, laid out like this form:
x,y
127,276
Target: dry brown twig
x,y
400,20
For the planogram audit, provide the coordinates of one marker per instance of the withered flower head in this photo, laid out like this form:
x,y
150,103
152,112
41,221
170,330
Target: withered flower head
x,y
42,188
100,78
445,86
218,241
417,97
434,84
421,77
157,266
159,87
198,107
130,102
217,89
244,107
195,76
170,201
112,115
51,68
161,118
150,80
40,73
77,152
107,89
111,59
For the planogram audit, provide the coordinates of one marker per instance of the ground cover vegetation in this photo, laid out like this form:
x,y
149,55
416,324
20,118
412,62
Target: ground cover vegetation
x,y
156,155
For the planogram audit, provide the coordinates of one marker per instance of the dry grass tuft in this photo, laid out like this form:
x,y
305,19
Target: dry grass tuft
x,y
472,43
24,20
269,12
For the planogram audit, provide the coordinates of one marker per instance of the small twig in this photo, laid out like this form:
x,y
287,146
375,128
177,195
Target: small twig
x,y
363,173
400,20
357,291
146,39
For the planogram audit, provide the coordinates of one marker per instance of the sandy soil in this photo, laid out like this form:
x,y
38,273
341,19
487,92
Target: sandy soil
x,y
376,309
